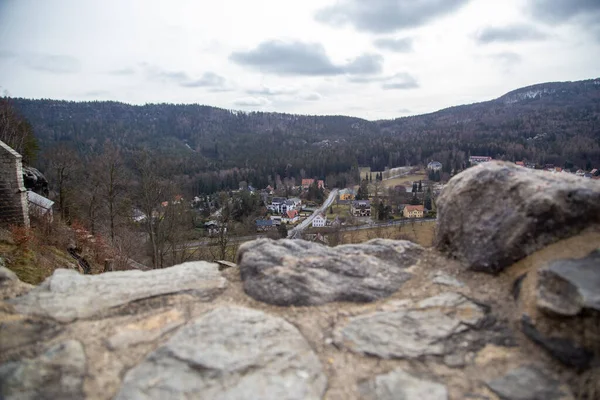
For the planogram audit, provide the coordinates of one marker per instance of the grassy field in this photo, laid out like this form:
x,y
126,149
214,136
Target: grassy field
x,y
422,233
403,180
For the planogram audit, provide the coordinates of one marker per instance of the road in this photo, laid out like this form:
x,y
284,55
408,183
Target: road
x,y
296,233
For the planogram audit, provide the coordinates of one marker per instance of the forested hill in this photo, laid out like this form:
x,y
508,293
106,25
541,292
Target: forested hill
x,y
547,123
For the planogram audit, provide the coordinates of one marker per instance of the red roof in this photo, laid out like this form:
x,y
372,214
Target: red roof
x,y
292,214
520,163
415,208
307,182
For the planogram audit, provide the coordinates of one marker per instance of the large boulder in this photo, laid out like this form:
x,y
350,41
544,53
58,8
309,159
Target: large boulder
x,y
398,384
296,272
230,353
67,295
411,330
496,213
35,180
529,383
567,287
57,374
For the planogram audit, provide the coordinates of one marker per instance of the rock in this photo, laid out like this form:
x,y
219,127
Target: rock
x,y
564,350
566,287
411,331
444,279
67,295
397,384
35,180
56,374
455,360
10,285
296,272
528,383
6,275
17,331
496,213
229,353
146,330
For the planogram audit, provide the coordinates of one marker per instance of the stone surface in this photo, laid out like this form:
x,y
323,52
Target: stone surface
x,y
398,384
17,331
145,331
566,287
411,331
564,350
10,285
442,278
528,383
68,295
496,213
56,374
297,272
229,353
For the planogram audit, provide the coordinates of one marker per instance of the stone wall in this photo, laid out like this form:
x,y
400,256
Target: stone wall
x,y
13,196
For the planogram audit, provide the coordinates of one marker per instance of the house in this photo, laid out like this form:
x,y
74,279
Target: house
x,y
411,211
288,205
587,175
40,206
346,194
474,160
297,203
434,166
263,225
361,208
595,172
520,163
276,204
290,217
214,228
307,182
580,172
319,221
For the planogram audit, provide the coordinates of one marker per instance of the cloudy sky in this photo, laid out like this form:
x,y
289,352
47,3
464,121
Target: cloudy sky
x,y
373,59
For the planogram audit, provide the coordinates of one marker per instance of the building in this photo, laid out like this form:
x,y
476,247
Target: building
x,y
263,225
290,217
361,208
307,182
40,206
434,166
346,194
520,164
319,221
411,211
474,160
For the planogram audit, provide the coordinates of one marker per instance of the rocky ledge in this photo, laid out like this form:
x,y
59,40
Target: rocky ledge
x,y
296,320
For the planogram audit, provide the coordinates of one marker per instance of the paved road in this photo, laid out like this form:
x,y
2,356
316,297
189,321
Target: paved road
x,y
296,233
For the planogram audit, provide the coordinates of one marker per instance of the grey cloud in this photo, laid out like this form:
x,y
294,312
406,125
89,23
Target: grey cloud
x,y
267,91
404,111
511,33
564,10
96,93
312,96
402,45
385,16
401,80
304,59
209,79
122,72
5,54
53,63
251,102
367,64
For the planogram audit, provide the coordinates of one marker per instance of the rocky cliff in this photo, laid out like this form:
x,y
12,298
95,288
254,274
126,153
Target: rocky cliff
x,y
296,320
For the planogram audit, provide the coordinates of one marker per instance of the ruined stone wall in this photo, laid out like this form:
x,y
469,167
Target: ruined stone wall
x,y
13,196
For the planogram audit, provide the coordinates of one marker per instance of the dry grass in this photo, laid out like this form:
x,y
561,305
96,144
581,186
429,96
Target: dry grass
x,y
422,233
403,180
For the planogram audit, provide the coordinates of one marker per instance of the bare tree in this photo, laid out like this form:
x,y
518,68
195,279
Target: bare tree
x,y
113,185
64,163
